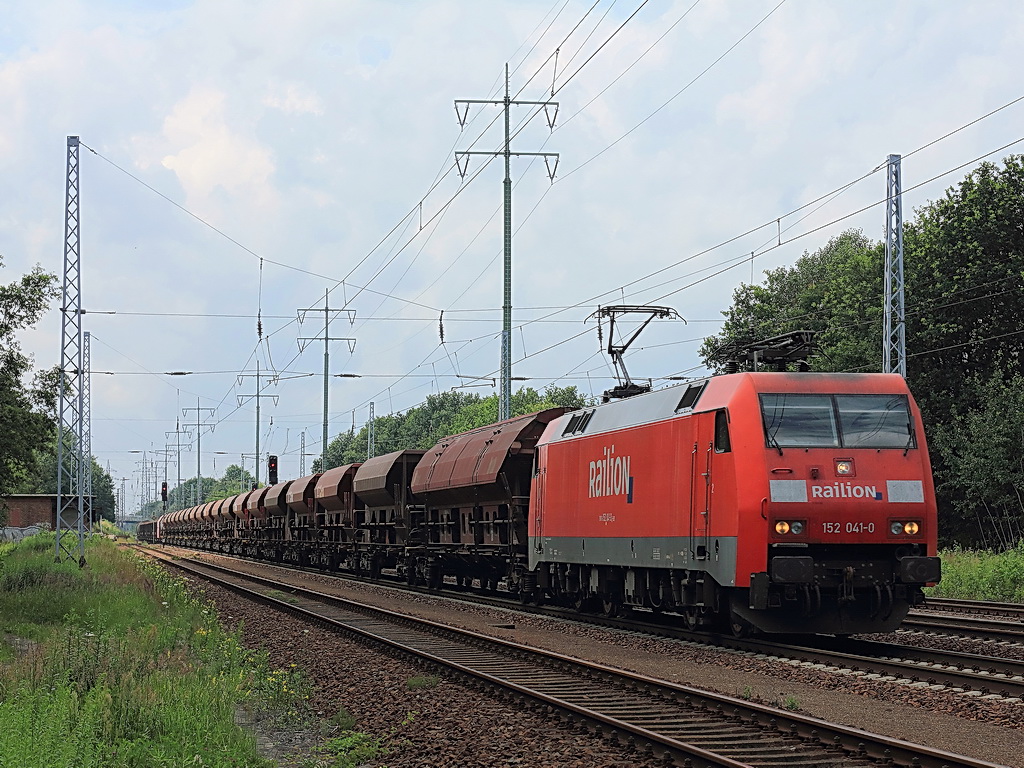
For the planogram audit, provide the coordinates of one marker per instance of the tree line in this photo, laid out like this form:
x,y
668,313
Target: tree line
x,y
28,400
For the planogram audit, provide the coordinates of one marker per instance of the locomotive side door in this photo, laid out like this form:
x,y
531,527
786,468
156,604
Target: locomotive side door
x,y
537,495
701,485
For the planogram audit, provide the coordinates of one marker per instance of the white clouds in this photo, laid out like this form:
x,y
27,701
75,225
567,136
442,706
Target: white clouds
x,y
209,155
798,56
294,99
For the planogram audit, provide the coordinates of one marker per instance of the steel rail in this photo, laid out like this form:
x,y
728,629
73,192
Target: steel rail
x,y
985,607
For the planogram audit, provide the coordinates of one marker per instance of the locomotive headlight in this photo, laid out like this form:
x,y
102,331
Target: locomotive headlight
x,y
844,467
782,527
911,528
797,527
896,527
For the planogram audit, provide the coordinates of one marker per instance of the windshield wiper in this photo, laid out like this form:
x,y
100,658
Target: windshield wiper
x,y
911,439
773,442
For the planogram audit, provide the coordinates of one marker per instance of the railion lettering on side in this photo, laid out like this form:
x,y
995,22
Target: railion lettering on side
x,y
610,476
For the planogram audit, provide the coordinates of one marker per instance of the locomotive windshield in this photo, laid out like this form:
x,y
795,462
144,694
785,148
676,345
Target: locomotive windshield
x,y
833,421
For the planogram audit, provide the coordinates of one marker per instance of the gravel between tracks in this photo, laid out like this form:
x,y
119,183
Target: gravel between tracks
x,y
456,726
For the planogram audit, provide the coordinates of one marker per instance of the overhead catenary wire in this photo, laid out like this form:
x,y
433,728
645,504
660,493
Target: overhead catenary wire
x,y
538,320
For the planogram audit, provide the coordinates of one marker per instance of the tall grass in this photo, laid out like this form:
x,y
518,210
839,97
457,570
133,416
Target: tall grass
x,y
126,668
978,575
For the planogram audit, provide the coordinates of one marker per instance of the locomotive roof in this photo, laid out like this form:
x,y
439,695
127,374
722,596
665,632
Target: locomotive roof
x,y
710,394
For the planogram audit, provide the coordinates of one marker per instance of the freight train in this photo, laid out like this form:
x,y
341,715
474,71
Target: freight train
x,y
772,501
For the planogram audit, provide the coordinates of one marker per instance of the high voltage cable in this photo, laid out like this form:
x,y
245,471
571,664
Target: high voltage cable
x,y
743,259
802,235
635,62
770,222
677,94
245,248
539,320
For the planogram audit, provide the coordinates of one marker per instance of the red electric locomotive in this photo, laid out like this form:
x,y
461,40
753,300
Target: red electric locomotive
x,y
784,502
788,502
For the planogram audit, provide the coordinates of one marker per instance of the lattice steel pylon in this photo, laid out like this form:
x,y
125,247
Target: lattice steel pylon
x,y
894,330
70,523
88,501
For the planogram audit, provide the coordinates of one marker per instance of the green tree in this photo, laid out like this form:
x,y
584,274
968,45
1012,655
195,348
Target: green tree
x,y
233,481
834,291
982,473
443,414
26,410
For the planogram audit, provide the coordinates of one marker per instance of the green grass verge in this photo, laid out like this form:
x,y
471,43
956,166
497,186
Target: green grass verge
x,y
117,665
978,575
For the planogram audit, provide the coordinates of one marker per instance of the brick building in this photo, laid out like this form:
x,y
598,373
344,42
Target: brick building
x,y
27,509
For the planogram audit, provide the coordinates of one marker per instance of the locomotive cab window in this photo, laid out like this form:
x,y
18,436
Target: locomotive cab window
x,y
722,444
833,421
875,421
804,421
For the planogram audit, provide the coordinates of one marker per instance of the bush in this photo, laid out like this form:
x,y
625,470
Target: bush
x,y
978,575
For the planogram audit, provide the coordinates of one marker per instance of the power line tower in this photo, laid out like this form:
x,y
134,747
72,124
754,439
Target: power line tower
x,y
87,427
462,163
199,453
894,331
70,538
259,396
371,436
327,339
178,430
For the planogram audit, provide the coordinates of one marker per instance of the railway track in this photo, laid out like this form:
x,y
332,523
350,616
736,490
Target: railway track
x,y
1008,610
1000,630
685,725
963,673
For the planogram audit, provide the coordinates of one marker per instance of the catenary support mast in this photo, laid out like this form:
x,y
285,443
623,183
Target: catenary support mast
x,y
327,339
70,523
199,453
894,352
259,396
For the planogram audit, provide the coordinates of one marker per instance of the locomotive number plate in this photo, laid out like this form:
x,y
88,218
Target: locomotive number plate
x,y
848,527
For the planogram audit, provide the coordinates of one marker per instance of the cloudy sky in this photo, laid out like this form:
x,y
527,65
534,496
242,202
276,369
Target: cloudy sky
x,y
242,159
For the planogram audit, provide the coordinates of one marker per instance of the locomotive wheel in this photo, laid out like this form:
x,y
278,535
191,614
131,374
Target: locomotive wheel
x,y
610,608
